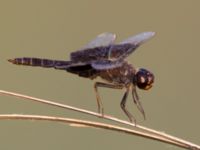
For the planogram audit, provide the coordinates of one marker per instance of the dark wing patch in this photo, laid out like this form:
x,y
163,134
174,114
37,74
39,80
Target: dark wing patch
x,y
96,49
88,55
83,70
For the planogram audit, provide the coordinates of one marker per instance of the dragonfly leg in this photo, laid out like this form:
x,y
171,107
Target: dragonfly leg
x,y
123,106
136,100
99,102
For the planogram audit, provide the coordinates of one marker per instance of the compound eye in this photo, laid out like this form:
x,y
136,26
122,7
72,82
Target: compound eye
x,y
144,79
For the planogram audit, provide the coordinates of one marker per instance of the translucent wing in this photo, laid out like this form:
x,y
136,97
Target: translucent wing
x,y
128,46
107,64
139,38
94,50
103,39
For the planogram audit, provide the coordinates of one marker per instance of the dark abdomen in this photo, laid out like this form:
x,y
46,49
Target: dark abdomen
x,y
27,61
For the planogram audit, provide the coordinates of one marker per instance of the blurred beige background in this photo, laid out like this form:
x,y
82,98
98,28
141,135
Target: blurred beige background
x,y
53,29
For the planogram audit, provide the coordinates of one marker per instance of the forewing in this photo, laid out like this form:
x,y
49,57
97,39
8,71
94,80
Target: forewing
x,y
103,39
128,46
106,64
139,38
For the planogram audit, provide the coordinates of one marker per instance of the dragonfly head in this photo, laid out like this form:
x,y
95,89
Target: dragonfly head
x,y
144,79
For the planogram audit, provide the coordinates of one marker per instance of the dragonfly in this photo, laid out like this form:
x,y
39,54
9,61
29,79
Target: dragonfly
x,y
104,58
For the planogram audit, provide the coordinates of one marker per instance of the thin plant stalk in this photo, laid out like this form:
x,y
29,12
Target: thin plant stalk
x,y
81,123
152,133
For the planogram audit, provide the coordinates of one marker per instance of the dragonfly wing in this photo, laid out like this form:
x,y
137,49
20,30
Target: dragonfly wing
x,y
103,47
96,49
128,46
81,69
139,38
106,64
103,39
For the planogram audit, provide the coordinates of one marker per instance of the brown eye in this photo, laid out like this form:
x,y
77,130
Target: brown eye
x,y
144,79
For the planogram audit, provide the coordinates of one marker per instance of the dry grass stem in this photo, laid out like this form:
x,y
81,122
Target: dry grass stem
x,y
136,130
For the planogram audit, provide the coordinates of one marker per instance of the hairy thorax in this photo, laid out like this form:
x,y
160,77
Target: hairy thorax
x,y
122,75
